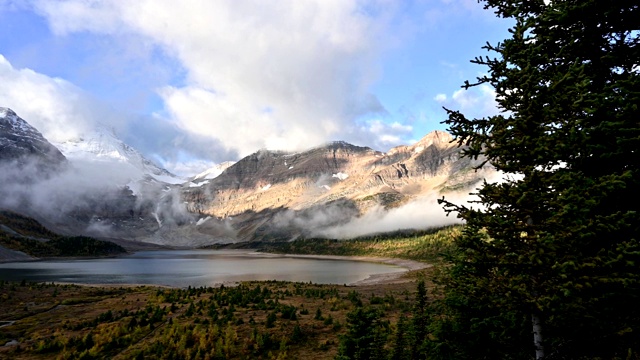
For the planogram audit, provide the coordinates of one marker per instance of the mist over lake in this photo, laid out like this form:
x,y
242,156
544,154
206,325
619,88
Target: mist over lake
x,y
182,268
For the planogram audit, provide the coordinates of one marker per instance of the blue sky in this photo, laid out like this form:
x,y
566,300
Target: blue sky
x,y
209,81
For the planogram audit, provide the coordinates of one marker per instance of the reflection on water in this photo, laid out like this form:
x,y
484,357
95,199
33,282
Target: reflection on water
x,y
181,268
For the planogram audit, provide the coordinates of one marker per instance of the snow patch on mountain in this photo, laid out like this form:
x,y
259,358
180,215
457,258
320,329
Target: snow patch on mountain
x,y
340,176
198,184
202,221
213,172
103,146
17,124
18,139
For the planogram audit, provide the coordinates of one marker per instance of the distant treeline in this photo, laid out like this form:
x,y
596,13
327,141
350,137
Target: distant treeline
x,y
22,233
425,245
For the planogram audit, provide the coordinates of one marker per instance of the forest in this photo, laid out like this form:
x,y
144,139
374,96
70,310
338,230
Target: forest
x,y
254,320
22,233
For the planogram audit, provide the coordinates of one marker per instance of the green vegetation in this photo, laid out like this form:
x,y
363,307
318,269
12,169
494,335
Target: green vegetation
x,y
386,199
25,234
427,245
549,266
254,320
24,225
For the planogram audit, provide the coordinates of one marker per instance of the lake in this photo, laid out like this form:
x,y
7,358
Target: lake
x,y
182,268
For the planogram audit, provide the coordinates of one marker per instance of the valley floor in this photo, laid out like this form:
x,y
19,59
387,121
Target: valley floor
x,y
257,320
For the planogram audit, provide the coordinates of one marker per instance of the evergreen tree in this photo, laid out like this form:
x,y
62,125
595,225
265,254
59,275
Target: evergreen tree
x,y
552,253
420,322
365,337
400,349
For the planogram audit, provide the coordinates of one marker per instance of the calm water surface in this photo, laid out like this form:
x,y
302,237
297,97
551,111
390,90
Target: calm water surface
x,y
182,268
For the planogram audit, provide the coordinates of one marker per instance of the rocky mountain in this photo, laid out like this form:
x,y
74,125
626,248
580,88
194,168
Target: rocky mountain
x,y
105,188
279,195
110,190
143,197
23,145
336,171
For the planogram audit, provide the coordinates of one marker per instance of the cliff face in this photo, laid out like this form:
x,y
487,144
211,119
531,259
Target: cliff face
x,y
260,195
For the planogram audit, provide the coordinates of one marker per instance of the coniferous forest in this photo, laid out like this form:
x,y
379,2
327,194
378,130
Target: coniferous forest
x,y
22,233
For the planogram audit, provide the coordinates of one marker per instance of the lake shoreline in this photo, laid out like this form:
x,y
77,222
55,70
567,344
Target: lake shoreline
x,y
8,255
373,279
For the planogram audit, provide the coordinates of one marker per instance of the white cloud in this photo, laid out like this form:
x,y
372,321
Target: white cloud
x,y
383,136
478,101
61,111
57,108
441,98
285,74
422,213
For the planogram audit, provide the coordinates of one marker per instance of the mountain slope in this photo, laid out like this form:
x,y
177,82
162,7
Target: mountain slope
x,y
268,195
279,195
213,172
105,189
22,143
270,179
28,236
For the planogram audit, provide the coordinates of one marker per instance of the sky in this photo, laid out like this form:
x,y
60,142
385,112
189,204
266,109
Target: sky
x,y
194,83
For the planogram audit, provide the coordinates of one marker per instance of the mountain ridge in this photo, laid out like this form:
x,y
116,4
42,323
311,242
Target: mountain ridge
x,y
283,195
267,195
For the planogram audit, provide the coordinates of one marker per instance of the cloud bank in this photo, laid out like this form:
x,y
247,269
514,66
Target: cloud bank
x,y
57,108
62,112
217,80
279,75
421,213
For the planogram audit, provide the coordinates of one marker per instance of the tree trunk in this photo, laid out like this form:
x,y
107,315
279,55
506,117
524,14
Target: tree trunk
x,y
537,336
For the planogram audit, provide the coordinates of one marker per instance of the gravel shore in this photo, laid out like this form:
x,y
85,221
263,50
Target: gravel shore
x,y
387,278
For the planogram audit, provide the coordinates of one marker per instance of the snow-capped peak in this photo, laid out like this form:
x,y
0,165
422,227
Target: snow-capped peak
x,y
104,146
